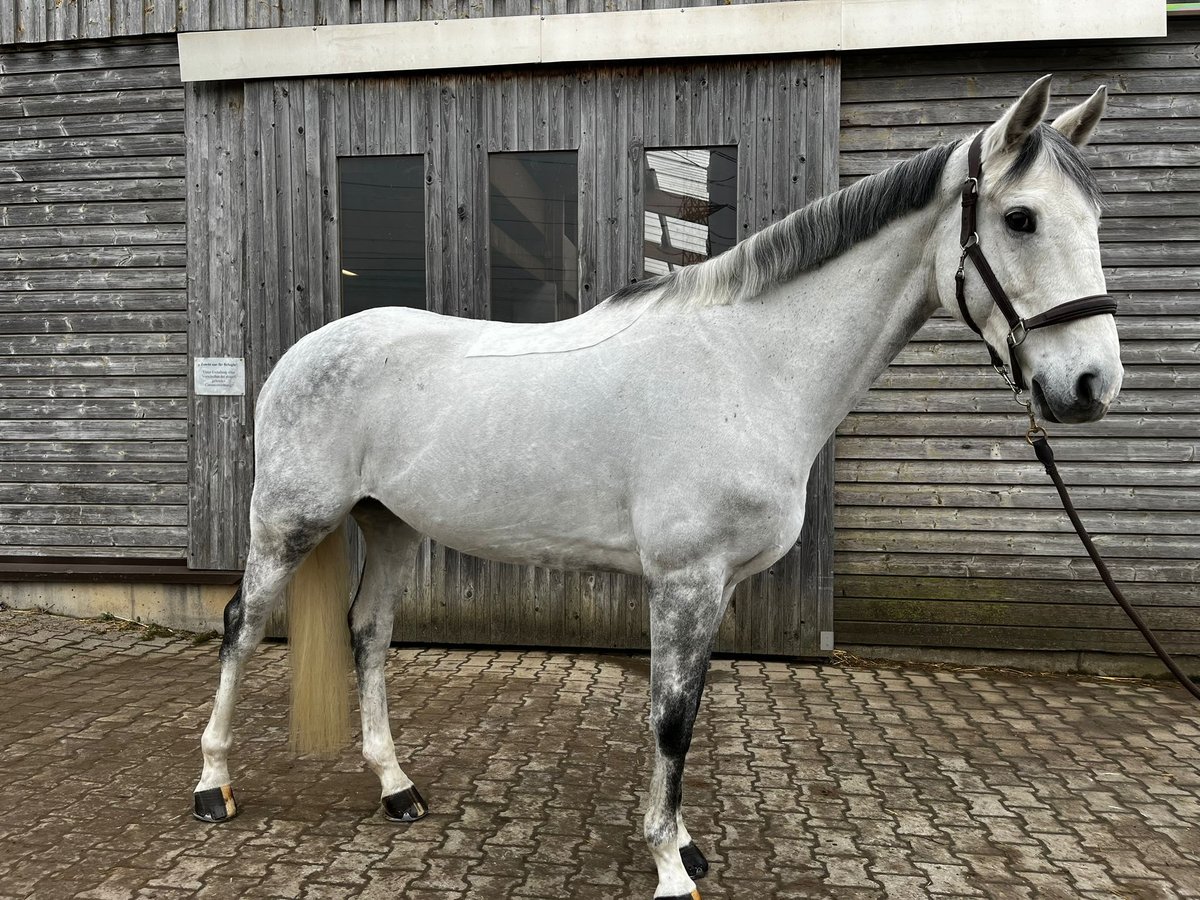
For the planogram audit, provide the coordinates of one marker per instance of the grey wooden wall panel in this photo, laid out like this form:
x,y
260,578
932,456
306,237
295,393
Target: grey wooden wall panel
x,y
947,533
93,324
292,134
219,460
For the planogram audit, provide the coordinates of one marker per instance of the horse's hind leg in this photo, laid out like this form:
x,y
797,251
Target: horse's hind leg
x,y
269,565
391,554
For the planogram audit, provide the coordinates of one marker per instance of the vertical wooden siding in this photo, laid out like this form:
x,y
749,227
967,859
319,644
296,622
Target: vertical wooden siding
x,y
93,322
35,21
286,137
948,533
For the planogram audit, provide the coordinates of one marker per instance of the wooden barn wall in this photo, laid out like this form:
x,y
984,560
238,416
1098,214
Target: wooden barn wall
x,y
93,318
948,532
35,21
265,262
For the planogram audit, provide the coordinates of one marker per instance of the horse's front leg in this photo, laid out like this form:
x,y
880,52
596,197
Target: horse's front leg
x,y
685,610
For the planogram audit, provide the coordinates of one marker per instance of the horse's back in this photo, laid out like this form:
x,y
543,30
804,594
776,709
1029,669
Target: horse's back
x,y
460,426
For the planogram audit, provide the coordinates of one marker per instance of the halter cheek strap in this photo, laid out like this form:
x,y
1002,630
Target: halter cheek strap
x,y
1018,328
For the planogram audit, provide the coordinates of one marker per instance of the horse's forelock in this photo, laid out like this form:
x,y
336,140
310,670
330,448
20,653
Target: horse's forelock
x,y
1046,143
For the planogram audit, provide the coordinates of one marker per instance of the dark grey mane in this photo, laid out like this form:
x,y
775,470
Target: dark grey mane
x,y
1062,152
831,225
807,237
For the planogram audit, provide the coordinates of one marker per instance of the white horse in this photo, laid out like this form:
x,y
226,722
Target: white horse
x,y
684,413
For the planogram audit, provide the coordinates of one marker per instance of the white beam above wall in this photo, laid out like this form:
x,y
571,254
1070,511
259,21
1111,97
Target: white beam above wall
x,y
801,26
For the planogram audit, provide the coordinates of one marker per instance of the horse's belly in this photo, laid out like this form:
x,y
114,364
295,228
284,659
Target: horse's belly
x,y
567,532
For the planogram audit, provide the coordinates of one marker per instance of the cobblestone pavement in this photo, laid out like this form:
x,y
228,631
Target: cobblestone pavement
x,y
803,781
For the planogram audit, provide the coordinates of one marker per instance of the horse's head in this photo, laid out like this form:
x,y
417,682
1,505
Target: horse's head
x,y
1037,219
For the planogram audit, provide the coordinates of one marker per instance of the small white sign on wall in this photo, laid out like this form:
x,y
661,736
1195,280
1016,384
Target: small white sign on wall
x,y
220,376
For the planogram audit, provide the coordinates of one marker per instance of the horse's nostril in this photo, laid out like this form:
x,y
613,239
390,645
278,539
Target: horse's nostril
x,y
1088,388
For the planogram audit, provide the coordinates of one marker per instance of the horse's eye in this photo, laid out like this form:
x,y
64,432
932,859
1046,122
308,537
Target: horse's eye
x,y
1021,220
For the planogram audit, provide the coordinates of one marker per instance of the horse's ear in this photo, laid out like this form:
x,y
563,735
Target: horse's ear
x,y
1078,123
1009,133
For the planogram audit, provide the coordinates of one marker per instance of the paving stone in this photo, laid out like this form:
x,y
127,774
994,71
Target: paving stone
x,y
813,781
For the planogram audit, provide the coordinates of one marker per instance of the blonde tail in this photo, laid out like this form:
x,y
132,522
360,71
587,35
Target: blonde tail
x,y
319,642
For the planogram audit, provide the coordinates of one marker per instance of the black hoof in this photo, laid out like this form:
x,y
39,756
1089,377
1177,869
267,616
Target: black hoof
x,y
693,861
405,806
214,805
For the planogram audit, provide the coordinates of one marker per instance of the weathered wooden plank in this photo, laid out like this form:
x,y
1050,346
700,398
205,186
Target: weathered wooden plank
x,y
76,149
129,514
109,537
1013,590
90,344
91,366
1150,230
93,168
108,386
60,303
1154,198
29,258
100,213
1068,447
965,111
92,235
101,125
101,554
1177,49
71,462
1009,613
1067,83
105,79
105,189
68,408
927,475
1109,522
908,634
24,107
894,497
94,429
1023,565
1145,546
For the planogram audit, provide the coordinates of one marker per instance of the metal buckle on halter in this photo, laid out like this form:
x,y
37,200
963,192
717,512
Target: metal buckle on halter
x,y
1013,340
974,183
971,241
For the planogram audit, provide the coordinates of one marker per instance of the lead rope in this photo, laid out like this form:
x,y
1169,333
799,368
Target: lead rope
x,y
1039,440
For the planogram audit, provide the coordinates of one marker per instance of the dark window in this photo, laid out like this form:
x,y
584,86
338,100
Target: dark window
x,y
691,206
382,232
534,236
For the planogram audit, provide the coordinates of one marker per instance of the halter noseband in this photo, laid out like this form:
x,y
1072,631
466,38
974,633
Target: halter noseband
x,y
1018,328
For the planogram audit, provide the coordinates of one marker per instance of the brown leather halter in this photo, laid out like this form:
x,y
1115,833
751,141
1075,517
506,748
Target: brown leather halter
x,y
1018,328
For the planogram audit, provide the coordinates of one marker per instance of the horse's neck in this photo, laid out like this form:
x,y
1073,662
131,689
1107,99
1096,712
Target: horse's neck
x,y
835,329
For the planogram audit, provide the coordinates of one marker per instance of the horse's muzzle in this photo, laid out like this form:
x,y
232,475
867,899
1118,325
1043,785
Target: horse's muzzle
x,y
1088,402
